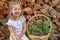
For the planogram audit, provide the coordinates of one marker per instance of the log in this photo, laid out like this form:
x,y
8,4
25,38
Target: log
x,y
3,0
32,1
4,33
45,6
54,26
58,7
1,5
53,2
53,13
58,15
1,17
36,7
58,23
43,11
28,17
39,2
36,12
28,10
55,20
46,1
3,21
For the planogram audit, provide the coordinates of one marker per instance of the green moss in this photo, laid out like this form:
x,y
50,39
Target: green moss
x,y
42,26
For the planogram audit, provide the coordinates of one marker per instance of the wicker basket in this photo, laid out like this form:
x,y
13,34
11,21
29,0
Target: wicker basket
x,y
33,37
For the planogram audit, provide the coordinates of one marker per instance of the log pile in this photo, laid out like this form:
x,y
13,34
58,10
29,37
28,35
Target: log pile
x,y
50,8
4,32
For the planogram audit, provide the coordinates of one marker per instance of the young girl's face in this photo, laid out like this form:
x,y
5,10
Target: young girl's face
x,y
16,10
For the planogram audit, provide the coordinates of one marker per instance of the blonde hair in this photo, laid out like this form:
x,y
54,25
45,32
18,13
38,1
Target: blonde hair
x,y
14,3
11,6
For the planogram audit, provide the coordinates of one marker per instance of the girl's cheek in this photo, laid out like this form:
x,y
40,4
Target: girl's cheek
x,y
14,11
20,10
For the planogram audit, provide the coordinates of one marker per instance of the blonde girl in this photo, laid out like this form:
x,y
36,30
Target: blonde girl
x,y
16,22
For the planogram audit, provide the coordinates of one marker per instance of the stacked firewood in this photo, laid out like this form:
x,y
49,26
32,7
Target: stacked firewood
x,y
4,32
50,8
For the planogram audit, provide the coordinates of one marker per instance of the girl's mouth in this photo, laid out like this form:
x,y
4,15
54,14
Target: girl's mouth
x,y
17,13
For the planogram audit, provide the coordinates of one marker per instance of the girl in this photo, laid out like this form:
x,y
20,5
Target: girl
x,y
16,23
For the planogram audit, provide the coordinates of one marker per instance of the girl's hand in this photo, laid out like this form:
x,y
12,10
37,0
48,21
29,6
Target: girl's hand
x,y
18,38
15,38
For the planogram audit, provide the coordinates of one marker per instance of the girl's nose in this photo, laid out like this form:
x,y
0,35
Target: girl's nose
x,y
17,10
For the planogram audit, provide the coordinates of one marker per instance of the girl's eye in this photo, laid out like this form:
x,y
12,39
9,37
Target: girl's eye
x,y
15,9
19,9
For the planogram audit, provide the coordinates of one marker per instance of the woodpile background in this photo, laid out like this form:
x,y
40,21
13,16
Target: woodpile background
x,y
50,8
